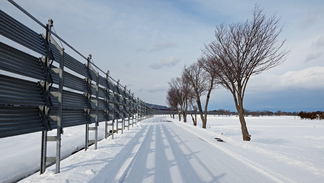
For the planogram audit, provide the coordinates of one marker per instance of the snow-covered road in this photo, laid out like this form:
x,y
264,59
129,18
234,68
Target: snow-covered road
x,y
170,153
160,149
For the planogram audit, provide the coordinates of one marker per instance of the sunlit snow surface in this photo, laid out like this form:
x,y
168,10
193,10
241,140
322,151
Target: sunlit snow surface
x,y
160,149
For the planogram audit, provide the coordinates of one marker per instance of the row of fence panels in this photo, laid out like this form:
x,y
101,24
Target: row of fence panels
x,y
55,90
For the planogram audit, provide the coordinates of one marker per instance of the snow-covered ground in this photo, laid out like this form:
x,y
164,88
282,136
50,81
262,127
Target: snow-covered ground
x,y
160,149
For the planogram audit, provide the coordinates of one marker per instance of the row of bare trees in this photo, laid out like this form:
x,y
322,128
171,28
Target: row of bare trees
x,y
239,51
185,92
311,115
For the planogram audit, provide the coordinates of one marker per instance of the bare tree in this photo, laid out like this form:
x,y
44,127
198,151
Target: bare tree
x,y
201,82
192,106
242,50
186,92
173,99
182,88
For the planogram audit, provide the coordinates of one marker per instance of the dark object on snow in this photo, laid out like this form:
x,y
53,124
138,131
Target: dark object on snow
x,y
219,139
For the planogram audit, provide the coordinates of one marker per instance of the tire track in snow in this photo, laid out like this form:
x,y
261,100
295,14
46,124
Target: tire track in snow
x,y
144,143
255,166
307,166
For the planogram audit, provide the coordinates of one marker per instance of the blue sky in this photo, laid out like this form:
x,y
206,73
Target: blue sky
x,y
146,43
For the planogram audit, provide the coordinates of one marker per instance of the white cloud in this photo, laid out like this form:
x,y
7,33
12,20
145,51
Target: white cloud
x,y
169,62
312,77
313,56
316,50
309,78
163,45
319,44
158,88
313,16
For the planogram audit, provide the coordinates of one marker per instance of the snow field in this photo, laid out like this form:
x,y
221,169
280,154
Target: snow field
x,y
161,149
284,144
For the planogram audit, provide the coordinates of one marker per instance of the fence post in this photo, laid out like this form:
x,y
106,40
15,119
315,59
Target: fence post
x,y
116,106
60,112
88,98
43,151
125,106
46,85
128,109
138,110
142,111
107,103
108,100
121,111
122,103
114,114
133,109
97,110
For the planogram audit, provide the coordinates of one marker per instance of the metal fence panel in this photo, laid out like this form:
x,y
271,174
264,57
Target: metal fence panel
x,y
13,92
18,32
37,95
18,62
17,120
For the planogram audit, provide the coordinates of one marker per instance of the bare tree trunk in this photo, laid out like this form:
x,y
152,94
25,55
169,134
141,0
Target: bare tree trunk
x,y
194,120
240,110
184,111
201,113
207,101
204,119
195,117
179,114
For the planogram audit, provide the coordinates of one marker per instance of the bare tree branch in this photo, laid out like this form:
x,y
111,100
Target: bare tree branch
x,y
201,82
242,50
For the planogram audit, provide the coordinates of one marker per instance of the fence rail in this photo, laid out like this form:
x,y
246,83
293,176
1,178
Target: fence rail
x,y
55,91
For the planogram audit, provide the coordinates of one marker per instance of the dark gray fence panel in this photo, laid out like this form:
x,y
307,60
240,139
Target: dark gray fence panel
x,y
13,92
102,105
71,117
102,116
92,74
55,52
110,86
74,82
71,100
103,81
16,31
18,62
17,120
38,95
75,65
102,92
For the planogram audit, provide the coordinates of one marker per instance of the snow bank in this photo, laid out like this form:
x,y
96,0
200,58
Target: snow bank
x,y
283,149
